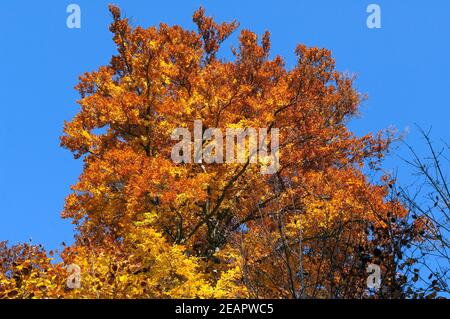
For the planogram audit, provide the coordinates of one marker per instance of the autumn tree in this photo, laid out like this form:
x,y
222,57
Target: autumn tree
x,y
148,227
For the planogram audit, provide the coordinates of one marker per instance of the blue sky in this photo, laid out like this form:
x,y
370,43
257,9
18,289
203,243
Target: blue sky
x,y
402,67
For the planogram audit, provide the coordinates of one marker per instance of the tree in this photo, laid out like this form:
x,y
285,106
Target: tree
x,y
148,227
428,201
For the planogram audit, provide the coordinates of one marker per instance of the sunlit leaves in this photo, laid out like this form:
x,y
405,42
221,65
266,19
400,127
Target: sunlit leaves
x,y
150,228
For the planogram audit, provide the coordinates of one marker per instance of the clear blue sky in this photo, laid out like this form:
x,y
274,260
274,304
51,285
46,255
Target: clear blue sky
x,y
403,67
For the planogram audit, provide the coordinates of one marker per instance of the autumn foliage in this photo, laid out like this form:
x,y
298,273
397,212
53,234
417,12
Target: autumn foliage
x,y
150,228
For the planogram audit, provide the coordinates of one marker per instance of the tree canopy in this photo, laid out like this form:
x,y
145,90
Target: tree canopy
x,y
151,228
